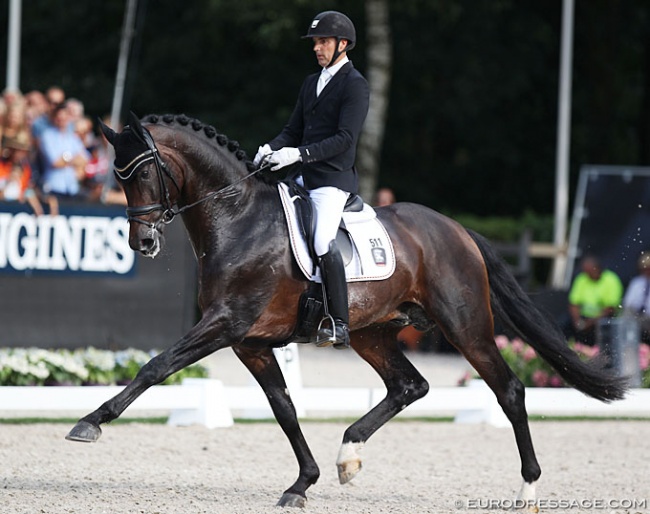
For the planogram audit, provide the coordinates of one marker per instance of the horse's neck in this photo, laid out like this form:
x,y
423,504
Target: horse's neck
x,y
220,223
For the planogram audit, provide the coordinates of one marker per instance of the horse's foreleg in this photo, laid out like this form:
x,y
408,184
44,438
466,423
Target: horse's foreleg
x,y
264,367
510,393
404,384
197,344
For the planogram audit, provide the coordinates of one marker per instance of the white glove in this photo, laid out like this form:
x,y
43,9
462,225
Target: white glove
x,y
284,157
262,151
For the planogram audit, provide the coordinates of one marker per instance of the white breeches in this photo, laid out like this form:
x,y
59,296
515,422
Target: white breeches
x,y
329,203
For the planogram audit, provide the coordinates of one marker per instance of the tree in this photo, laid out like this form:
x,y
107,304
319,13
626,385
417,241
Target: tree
x,y
379,70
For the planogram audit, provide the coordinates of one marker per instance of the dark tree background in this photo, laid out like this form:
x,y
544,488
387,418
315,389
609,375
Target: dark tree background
x,y
473,108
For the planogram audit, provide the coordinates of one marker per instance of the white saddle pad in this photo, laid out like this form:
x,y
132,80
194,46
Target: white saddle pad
x,y
373,255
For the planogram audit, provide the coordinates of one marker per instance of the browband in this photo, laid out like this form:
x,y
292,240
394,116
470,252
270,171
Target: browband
x,y
145,156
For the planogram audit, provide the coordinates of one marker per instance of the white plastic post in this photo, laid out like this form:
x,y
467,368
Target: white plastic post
x,y
289,362
213,410
491,412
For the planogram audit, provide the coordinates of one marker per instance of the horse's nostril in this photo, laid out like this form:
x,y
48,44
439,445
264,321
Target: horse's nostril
x,y
147,243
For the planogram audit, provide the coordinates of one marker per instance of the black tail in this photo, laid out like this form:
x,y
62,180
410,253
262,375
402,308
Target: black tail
x,y
515,309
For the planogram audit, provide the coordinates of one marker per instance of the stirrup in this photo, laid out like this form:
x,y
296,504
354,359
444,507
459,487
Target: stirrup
x,y
328,341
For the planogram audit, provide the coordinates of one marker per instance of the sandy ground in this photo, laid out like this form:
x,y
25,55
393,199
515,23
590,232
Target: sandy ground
x,y
409,467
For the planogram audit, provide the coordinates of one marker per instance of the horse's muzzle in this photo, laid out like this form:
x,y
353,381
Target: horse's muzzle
x,y
145,239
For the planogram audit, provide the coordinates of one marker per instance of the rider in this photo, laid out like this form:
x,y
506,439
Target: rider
x,y
322,135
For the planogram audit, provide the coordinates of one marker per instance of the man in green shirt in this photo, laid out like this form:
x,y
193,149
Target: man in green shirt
x,y
596,293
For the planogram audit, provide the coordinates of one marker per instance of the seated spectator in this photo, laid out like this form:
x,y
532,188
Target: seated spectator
x,y
595,294
636,301
15,176
64,156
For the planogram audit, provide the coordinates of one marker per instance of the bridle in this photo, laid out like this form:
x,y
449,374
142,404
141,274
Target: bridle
x,y
168,212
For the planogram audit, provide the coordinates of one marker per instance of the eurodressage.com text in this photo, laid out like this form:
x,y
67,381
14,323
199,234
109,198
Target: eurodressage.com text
x,y
552,504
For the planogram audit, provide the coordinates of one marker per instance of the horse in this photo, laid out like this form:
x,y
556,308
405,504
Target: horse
x,y
249,288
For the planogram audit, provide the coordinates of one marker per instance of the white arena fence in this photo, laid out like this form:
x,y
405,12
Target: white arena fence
x,y
208,402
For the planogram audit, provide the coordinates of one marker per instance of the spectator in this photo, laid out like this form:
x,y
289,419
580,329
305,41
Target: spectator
x,y
75,110
98,165
37,106
15,176
55,97
14,123
636,301
384,196
595,294
64,156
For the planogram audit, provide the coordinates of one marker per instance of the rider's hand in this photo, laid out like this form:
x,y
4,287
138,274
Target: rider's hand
x,y
262,151
284,157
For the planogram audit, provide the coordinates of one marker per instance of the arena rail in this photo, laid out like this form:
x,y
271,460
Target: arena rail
x,y
209,403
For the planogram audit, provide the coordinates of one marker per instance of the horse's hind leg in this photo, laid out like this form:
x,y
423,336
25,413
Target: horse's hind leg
x,y
264,367
486,359
378,346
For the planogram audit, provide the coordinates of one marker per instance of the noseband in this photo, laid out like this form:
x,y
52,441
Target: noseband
x,y
167,208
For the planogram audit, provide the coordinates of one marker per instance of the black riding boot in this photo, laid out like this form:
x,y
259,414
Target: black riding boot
x,y
336,289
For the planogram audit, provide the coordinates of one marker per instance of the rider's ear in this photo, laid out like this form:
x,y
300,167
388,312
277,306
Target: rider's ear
x,y
108,132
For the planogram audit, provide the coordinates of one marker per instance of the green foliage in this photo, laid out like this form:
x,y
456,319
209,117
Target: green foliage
x,y
508,229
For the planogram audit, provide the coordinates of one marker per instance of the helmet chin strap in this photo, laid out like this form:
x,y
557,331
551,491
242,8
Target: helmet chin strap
x,y
337,52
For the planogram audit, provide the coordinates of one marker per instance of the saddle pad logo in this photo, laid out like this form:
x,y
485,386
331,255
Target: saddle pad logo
x,y
378,251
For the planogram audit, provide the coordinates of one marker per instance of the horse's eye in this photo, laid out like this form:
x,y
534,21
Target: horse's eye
x,y
145,174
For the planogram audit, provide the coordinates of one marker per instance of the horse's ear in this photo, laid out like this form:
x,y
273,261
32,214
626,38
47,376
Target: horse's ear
x,y
134,122
108,132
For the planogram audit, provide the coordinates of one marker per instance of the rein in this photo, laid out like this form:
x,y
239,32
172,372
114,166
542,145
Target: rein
x,y
169,213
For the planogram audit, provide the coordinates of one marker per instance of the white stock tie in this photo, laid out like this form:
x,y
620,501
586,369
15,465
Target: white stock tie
x,y
322,81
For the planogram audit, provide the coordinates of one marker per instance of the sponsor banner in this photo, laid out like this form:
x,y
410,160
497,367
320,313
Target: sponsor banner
x,y
83,239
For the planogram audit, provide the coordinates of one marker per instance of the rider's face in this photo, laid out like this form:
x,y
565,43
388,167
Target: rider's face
x,y
324,48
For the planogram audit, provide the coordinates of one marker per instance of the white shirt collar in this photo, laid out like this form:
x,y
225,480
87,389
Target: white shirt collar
x,y
333,70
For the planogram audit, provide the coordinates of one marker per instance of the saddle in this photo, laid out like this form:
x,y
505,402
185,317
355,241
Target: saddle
x,y
311,303
307,221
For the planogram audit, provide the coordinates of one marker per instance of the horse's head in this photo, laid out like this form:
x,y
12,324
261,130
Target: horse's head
x,y
149,184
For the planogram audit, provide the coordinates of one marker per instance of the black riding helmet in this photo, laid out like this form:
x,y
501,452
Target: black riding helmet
x,y
333,24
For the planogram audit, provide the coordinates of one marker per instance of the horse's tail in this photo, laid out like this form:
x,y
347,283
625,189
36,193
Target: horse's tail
x,y
516,310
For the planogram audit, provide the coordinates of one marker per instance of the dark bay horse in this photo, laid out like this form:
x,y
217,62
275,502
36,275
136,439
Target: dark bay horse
x,y
249,286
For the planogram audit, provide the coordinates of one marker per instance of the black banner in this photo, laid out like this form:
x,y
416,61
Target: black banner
x,y
72,281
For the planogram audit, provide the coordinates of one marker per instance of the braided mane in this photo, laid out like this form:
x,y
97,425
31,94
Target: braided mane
x,y
208,131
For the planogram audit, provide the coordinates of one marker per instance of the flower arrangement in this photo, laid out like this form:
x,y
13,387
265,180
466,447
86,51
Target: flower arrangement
x,y
535,372
89,366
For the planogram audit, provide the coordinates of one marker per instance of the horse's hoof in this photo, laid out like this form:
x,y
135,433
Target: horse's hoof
x,y
292,500
84,432
348,470
348,463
